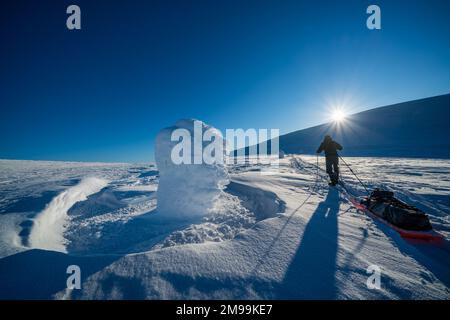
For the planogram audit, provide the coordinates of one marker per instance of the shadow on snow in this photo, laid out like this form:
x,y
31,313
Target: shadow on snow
x,y
311,274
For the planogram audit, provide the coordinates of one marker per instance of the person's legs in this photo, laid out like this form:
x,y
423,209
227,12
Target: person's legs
x,y
336,168
329,166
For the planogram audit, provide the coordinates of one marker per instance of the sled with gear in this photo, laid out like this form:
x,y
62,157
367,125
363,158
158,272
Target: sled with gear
x,y
409,221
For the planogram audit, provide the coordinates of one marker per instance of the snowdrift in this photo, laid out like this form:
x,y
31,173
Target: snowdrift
x,y
49,225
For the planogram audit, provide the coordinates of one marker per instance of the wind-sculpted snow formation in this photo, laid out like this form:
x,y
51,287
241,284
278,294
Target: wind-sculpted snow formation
x,y
49,225
192,188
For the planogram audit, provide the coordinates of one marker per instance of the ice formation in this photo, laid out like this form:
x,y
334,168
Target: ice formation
x,y
190,188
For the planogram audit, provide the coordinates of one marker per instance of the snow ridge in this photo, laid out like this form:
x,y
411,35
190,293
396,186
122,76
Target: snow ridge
x,y
49,225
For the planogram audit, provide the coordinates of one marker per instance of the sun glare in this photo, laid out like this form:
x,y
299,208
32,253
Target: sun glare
x,y
338,115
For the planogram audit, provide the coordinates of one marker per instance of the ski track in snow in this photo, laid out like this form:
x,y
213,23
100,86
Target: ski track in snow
x,y
273,234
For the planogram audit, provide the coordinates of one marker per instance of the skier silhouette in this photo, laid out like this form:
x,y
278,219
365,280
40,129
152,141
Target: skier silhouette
x,y
331,157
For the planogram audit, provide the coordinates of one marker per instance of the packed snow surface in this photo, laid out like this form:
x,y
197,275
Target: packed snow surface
x,y
272,233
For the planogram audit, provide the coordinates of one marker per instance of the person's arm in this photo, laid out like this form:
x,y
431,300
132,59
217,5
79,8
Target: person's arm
x,y
320,148
338,146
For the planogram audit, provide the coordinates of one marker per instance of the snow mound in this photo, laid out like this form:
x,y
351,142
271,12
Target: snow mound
x,y
188,189
227,219
49,225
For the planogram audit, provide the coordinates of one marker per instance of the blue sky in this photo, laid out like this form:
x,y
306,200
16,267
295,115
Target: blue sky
x,y
102,93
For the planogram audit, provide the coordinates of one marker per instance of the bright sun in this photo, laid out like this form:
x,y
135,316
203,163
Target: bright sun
x,y
338,115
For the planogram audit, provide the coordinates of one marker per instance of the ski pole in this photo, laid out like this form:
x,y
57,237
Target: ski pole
x,y
355,175
317,169
317,165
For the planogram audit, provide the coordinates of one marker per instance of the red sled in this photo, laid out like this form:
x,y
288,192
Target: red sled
x,y
373,207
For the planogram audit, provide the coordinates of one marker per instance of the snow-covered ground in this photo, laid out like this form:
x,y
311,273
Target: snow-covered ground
x,y
273,233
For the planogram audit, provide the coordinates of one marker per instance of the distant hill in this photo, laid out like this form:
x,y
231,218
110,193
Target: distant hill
x,y
419,128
